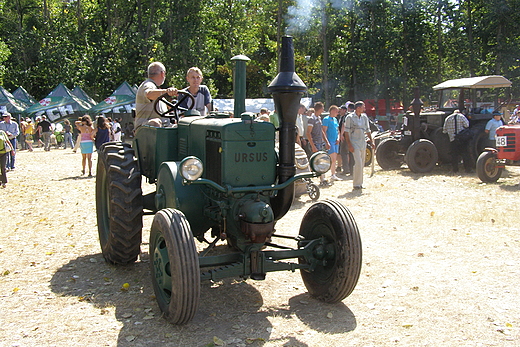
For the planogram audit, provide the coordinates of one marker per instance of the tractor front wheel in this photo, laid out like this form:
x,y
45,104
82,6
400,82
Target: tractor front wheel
x,y
175,266
422,156
335,269
119,203
487,168
388,154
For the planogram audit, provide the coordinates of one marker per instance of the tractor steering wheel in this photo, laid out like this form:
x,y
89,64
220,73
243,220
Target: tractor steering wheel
x,y
173,105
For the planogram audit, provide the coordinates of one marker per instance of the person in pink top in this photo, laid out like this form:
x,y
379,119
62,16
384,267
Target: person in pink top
x,y
84,125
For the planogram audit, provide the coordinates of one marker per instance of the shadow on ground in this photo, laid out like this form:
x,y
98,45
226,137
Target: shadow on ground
x,y
232,310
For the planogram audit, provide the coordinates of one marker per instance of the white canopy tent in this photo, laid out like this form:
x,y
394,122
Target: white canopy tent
x,y
252,105
493,81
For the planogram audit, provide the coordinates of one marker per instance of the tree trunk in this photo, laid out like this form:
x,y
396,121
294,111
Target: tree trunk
x,y
470,40
325,78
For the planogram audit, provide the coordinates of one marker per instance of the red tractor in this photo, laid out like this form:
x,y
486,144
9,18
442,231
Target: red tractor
x,y
492,161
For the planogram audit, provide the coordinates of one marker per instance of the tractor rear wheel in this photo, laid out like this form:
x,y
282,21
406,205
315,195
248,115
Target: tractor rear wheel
x,y
487,169
478,142
421,156
388,154
175,266
119,203
441,141
337,272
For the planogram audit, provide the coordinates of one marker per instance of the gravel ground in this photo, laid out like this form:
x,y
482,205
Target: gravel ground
x,y
440,268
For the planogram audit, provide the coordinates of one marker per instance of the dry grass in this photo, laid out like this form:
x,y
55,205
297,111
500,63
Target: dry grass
x,y
440,268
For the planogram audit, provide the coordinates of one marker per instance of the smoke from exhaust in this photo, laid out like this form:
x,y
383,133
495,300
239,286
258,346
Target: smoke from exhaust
x,y
300,17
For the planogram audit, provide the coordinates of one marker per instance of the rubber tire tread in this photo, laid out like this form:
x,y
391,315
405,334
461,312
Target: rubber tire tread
x,y
383,154
414,148
118,184
482,162
184,265
346,269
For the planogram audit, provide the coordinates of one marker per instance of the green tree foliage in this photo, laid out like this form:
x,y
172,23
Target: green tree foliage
x,y
359,49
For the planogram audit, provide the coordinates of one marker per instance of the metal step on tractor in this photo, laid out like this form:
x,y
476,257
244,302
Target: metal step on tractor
x,y
421,143
221,179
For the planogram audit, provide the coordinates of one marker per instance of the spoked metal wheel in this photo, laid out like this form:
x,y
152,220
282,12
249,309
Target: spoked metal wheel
x,y
314,191
487,168
175,266
336,262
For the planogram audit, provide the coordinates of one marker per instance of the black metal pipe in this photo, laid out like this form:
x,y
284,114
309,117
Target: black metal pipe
x,y
287,89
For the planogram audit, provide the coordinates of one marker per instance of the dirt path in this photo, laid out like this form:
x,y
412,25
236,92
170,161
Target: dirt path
x,y
440,268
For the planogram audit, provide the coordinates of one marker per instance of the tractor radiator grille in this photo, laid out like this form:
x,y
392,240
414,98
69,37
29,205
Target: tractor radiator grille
x,y
511,143
213,167
183,147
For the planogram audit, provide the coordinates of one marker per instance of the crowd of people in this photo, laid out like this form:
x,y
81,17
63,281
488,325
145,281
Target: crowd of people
x,y
40,133
342,132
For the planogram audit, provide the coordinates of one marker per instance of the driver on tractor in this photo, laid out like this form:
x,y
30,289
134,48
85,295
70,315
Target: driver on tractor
x,y
147,93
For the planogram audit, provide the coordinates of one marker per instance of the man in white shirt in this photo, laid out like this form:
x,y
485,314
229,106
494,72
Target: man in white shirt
x,y
148,92
355,129
116,129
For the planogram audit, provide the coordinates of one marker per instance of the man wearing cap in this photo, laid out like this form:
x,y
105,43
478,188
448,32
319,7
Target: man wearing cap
x,y
12,130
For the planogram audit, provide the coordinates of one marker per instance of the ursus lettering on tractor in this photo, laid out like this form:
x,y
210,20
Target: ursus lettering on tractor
x,y
222,178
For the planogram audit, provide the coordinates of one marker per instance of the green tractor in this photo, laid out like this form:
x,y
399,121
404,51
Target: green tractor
x,y
220,178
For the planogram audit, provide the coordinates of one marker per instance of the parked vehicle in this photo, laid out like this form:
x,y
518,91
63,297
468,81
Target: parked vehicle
x,y
492,161
421,142
221,178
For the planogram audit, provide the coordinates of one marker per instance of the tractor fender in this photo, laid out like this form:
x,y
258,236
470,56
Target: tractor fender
x,y
172,192
490,149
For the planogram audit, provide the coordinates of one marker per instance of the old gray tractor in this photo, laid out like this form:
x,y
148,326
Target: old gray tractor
x,y
421,142
221,178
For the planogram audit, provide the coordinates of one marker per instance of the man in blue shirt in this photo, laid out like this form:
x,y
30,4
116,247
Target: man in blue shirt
x,y
491,129
330,127
12,130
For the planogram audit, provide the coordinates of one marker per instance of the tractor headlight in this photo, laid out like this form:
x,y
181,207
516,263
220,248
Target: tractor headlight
x,y
191,168
320,162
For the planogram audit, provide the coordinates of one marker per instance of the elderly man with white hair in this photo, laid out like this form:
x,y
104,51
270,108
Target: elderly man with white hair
x,y
148,92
